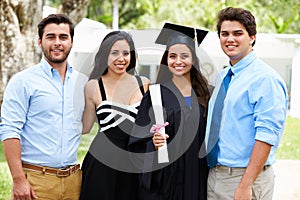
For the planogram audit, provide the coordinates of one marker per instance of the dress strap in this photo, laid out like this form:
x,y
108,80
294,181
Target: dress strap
x,y
140,82
101,86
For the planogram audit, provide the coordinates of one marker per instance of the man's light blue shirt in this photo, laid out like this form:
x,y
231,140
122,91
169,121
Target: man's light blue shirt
x,y
255,108
45,114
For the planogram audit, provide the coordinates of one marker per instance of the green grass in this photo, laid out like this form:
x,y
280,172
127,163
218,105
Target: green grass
x,y
289,149
5,178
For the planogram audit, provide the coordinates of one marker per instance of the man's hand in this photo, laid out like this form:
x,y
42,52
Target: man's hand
x,y
243,193
22,190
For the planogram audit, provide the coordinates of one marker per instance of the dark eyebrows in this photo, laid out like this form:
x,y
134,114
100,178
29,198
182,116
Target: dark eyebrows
x,y
185,53
52,34
49,34
236,31
180,54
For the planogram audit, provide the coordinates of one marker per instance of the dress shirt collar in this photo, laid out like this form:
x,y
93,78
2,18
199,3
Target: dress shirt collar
x,y
49,70
242,64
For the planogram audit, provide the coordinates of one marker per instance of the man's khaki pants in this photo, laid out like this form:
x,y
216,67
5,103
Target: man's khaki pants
x,y
223,181
52,187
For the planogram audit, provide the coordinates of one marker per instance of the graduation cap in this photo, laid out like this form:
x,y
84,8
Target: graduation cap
x,y
174,34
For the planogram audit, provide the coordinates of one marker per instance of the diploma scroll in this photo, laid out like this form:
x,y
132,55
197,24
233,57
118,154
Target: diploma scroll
x,y
159,119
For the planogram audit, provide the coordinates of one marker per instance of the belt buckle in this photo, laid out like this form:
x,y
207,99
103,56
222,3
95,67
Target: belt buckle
x,y
72,169
59,171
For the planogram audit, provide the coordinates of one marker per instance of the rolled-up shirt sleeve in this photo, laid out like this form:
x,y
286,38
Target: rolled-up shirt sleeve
x,y
270,104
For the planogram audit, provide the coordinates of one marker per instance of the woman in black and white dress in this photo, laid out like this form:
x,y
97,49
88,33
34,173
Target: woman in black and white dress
x,y
113,95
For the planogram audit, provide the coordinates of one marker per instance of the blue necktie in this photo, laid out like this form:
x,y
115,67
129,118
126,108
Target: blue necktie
x,y
212,146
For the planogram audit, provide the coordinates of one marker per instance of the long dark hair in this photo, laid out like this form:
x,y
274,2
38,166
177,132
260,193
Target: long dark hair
x,y
101,57
198,81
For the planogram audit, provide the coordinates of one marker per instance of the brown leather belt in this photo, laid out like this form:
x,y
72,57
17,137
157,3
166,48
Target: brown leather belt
x,y
231,169
60,172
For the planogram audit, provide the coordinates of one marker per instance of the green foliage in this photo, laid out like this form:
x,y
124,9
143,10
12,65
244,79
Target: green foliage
x,y
96,11
102,11
272,16
284,16
130,14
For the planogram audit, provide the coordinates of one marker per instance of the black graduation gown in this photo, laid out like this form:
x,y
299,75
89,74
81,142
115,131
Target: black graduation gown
x,y
185,176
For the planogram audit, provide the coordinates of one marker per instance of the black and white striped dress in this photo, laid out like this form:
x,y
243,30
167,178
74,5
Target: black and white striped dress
x,y
103,177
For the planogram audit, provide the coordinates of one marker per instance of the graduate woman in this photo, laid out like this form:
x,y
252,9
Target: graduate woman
x,y
185,95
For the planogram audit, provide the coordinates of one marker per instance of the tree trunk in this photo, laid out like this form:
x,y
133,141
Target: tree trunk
x,y
17,35
75,9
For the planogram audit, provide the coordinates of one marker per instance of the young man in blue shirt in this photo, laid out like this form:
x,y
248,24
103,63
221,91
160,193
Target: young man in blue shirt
x,y
251,118
41,119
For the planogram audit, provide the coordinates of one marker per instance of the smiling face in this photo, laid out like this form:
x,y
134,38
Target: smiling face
x,y
180,60
119,57
56,43
235,40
